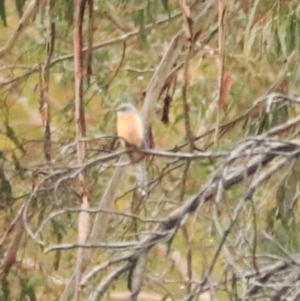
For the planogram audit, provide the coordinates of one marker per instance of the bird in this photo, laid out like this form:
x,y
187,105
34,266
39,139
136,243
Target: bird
x,y
131,131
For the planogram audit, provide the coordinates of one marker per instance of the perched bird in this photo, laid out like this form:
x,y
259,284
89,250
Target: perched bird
x,y
131,130
130,126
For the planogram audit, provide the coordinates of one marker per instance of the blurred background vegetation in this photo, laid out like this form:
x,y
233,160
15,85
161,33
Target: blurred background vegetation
x,y
259,46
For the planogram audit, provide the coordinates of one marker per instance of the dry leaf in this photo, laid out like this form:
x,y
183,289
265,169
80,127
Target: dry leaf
x,y
225,89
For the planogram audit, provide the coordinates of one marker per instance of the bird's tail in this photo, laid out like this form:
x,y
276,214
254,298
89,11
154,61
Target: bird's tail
x,y
141,177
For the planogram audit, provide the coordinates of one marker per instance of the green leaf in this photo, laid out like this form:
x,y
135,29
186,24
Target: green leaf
x,y
19,6
5,291
139,20
63,10
13,137
151,12
27,290
3,12
5,191
165,4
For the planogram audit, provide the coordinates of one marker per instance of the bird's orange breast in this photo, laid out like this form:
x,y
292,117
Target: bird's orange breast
x,y
130,128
